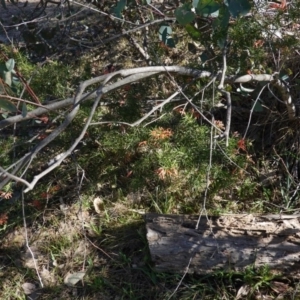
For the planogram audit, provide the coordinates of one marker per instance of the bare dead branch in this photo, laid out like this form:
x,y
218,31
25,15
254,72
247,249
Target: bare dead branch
x,y
4,173
136,74
124,77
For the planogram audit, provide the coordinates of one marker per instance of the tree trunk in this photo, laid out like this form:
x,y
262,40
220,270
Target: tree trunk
x,y
228,242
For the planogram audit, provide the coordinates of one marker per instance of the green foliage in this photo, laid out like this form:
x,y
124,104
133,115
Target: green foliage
x,y
48,80
117,11
212,8
9,85
7,105
165,35
184,15
258,278
238,7
169,161
8,75
206,8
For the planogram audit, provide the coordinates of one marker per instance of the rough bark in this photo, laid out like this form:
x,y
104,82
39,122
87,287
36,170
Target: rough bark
x,y
228,242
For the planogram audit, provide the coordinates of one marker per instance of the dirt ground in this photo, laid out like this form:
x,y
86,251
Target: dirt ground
x,y
23,15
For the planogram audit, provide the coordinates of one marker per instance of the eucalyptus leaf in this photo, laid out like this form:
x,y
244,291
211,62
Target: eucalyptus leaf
x,y
184,15
24,110
117,11
10,64
170,43
258,107
192,48
204,57
6,76
246,90
7,105
207,8
283,76
165,33
238,7
222,20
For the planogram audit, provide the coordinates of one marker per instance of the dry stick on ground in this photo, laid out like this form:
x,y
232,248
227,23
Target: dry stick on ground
x,y
61,128
136,73
131,75
138,76
70,150
251,112
226,93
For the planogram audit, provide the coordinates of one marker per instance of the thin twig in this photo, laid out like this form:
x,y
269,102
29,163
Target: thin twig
x,y
207,177
226,93
80,137
137,72
252,110
180,282
13,177
27,241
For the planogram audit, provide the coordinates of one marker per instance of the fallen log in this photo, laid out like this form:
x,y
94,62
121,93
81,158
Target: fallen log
x,y
228,242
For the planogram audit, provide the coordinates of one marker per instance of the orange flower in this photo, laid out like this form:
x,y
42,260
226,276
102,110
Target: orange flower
x,y
258,43
242,145
142,144
164,173
195,113
37,204
161,133
180,110
3,219
282,5
5,195
219,124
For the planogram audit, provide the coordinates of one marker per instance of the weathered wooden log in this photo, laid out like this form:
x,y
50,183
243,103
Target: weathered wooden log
x,y
228,242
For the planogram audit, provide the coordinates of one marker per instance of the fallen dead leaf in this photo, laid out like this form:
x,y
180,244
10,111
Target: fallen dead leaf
x,y
28,288
72,279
